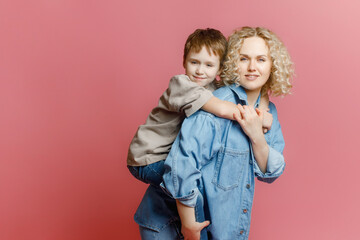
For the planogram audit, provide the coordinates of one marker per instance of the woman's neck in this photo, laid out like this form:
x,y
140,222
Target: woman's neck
x,y
252,96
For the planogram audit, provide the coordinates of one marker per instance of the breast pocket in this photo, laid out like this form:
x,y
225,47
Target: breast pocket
x,y
229,168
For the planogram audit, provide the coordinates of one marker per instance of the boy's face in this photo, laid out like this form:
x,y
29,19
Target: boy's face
x,y
202,67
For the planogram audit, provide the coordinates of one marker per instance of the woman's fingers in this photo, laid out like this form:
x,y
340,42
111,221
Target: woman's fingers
x,y
204,224
259,112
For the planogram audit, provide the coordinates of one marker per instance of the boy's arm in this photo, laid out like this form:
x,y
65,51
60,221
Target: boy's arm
x,y
225,109
189,227
220,108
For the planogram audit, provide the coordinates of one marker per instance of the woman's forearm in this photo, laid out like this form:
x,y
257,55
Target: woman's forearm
x,y
261,152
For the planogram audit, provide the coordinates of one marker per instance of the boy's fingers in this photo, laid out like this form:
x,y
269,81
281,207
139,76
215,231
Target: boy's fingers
x,y
237,116
241,108
238,119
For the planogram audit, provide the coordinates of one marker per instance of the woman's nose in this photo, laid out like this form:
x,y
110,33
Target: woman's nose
x,y
251,66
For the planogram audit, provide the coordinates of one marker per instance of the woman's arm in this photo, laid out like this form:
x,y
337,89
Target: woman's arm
x,y
270,162
250,120
189,227
197,142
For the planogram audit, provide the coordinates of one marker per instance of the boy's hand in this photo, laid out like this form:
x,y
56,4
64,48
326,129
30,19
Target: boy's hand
x,y
193,232
267,121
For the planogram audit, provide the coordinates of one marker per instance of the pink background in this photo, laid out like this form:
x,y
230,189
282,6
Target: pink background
x,y
78,77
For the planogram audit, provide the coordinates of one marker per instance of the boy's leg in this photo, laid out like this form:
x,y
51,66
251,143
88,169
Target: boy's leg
x,y
170,232
151,174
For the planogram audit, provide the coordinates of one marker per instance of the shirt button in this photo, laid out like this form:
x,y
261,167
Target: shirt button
x,y
241,232
245,211
247,186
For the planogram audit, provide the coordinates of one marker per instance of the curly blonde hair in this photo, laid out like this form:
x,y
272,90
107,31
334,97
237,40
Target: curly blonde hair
x,y
282,71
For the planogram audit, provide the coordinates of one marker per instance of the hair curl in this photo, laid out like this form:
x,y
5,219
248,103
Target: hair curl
x,y
282,71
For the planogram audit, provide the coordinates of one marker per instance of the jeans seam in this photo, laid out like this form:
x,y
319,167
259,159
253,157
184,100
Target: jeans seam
x,y
152,169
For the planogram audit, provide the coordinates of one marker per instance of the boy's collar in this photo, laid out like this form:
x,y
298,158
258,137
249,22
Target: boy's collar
x,y
240,92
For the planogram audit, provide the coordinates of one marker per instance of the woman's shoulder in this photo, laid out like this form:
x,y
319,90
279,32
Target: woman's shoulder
x,y
224,93
272,108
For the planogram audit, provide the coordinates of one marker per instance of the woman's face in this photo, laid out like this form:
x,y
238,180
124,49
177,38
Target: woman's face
x,y
254,64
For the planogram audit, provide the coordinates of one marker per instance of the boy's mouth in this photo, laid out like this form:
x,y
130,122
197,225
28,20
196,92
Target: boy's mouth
x,y
199,78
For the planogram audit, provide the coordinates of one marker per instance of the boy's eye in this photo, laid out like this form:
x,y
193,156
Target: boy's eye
x,y
261,60
193,62
209,65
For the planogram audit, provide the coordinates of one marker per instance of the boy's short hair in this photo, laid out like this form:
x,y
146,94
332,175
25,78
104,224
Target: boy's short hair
x,y
212,39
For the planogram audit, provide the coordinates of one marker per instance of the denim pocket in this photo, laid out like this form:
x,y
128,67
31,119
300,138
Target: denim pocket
x,y
229,167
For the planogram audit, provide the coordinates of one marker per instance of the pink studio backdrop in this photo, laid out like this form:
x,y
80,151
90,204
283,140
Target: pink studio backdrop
x,y
78,77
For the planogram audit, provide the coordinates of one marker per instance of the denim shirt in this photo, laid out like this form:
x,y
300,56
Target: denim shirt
x,y
212,158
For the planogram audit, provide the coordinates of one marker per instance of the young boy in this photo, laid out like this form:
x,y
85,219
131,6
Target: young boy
x,y
203,57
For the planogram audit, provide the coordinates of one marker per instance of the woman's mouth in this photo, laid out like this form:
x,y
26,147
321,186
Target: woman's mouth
x,y
251,77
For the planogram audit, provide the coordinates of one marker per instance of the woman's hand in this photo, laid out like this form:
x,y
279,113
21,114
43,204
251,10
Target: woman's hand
x,y
250,120
192,232
267,121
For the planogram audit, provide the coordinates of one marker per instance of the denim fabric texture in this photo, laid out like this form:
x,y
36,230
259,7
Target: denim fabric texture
x,y
212,158
151,174
171,231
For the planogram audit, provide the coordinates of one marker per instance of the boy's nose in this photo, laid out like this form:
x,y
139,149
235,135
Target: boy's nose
x,y
199,70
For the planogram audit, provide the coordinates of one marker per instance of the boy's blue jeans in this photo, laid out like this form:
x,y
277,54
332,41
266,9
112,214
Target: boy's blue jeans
x,y
152,174
170,232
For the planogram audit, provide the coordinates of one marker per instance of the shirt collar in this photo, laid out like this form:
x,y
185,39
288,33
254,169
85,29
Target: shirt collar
x,y
240,92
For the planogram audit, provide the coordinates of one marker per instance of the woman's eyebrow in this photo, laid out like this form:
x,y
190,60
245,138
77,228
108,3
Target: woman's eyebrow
x,y
245,55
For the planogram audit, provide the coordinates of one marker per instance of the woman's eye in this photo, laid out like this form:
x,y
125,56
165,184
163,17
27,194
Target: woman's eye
x,y
209,65
193,62
261,60
243,59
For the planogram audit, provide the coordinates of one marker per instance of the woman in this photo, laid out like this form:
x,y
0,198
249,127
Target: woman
x,y
215,160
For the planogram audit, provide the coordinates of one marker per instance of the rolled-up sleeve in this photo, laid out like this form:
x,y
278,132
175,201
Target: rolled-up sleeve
x,y
275,164
186,96
192,149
